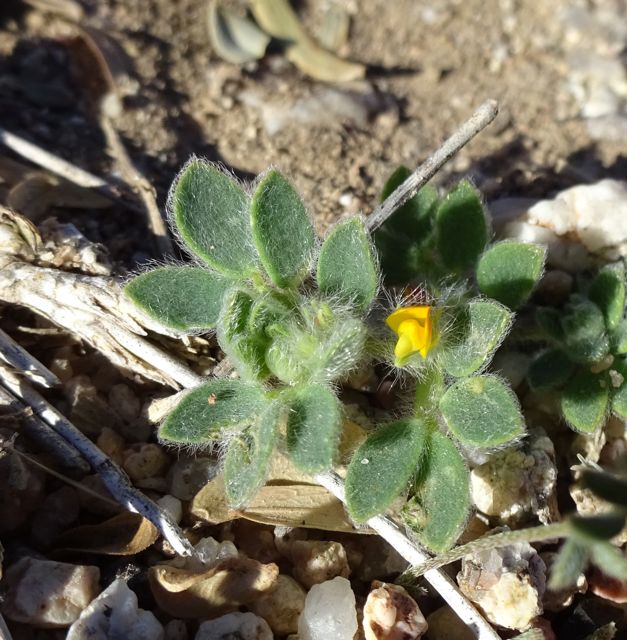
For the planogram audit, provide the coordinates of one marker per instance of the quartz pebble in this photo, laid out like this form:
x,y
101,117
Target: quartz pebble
x,y
115,614
317,561
146,460
390,613
506,583
187,476
243,626
281,607
172,506
44,593
329,612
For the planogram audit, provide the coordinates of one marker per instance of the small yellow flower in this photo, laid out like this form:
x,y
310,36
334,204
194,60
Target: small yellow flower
x,y
414,326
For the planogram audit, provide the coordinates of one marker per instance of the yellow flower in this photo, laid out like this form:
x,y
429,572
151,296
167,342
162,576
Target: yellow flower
x,y
414,326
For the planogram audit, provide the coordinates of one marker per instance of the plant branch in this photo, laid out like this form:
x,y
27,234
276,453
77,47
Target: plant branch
x,y
503,539
390,531
20,359
480,119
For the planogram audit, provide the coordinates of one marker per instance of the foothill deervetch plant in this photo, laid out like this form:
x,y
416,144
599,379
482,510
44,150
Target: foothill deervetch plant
x,y
297,315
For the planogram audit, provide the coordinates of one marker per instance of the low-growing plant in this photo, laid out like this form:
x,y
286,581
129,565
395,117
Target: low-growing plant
x,y
297,316
584,358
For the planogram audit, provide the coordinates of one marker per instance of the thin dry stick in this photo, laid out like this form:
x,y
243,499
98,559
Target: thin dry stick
x,y
5,634
480,119
139,183
20,359
442,583
113,477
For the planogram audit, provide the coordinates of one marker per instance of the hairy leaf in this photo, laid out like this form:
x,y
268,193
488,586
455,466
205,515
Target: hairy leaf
x,y
313,428
606,486
611,560
438,510
618,338
608,292
550,369
347,265
482,411
583,325
585,401
597,528
210,211
548,319
570,563
479,329
282,230
618,381
182,298
207,410
509,271
248,456
461,228
382,467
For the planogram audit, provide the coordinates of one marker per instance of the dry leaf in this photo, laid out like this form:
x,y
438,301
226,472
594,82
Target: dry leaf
x,y
123,535
279,19
227,586
291,505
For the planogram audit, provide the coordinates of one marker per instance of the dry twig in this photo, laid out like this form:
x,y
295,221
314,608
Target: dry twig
x,y
13,354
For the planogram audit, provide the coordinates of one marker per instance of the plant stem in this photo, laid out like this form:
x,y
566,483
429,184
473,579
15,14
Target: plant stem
x,y
532,534
480,119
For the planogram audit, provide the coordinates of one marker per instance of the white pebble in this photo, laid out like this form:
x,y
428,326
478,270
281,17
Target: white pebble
x,y
243,626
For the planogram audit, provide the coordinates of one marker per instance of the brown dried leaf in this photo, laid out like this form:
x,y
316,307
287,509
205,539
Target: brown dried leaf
x,y
25,240
230,584
123,535
291,505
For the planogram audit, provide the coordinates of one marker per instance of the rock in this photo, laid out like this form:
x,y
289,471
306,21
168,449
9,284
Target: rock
x,y
242,626
329,612
390,613
115,614
559,600
589,504
175,630
112,443
444,624
56,513
146,460
88,409
317,561
187,476
518,482
607,587
506,583
282,607
44,593
126,403
581,225
173,506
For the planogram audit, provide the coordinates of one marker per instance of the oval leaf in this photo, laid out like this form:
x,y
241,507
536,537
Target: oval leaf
x,y
182,298
438,510
210,211
606,486
482,411
478,331
313,428
509,271
585,401
347,266
204,412
583,325
282,230
382,467
608,292
618,378
461,228
570,563
248,457
550,369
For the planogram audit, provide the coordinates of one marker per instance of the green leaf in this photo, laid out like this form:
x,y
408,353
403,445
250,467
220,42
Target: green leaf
x,y
618,378
548,320
382,467
597,528
439,509
482,411
479,329
585,400
509,271
570,563
248,457
282,230
608,292
211,214
583,325
244,346
611,560
606,486
550,369
347,266
203,413
618,338
461,228
182,298
313,428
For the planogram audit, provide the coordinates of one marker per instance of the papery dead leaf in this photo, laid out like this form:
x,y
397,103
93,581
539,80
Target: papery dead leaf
x,y
279,19
290,505
24,240
230,584
123,535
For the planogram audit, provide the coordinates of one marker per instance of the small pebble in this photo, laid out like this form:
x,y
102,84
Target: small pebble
x,y
282,607
146,460
235,626
317,561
